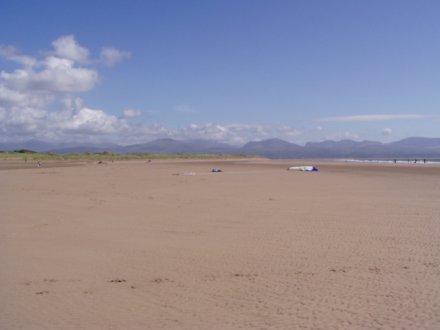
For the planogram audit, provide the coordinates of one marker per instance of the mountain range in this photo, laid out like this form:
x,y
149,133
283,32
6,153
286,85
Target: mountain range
x,y
413,147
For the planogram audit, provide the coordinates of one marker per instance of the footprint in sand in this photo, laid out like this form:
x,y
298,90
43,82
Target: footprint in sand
x,y
248,276
160,280
340,270
375,270
42,292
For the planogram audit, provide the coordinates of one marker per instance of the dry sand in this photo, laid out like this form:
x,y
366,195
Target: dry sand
x,y
136,245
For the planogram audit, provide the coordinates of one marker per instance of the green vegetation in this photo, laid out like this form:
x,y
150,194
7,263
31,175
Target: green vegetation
x,y
29,155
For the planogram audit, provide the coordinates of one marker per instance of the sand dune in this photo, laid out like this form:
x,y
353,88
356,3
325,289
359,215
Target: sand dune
x,y
136,245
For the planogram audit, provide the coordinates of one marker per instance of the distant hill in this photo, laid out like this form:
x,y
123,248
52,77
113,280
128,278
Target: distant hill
x,y
343,148
34,145
417,142
273,148
407,148
170,146
413,147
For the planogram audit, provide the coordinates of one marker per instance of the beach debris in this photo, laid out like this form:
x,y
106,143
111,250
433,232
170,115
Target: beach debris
x,y
307,168
216,170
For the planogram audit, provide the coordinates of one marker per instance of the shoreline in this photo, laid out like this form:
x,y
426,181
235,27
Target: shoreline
x,y
16,164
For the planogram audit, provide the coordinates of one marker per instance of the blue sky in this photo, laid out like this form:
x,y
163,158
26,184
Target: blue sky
x,y
234,71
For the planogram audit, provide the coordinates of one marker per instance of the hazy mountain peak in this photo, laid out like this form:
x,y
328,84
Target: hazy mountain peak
x,y
414,147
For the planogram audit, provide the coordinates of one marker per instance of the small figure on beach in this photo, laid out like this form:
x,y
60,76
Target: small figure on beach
x,y
39,164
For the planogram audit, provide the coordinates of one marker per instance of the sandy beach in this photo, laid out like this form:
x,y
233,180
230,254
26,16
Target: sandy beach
x,y
170,245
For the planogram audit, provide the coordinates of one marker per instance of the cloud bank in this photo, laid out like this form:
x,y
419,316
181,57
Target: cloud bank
x,y
377,117
67,47
38,100
110,56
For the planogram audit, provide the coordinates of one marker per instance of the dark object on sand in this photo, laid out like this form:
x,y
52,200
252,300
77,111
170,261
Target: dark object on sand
x,y
216,170
303,168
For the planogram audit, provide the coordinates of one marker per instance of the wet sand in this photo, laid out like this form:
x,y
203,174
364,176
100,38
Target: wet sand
x,y
169,245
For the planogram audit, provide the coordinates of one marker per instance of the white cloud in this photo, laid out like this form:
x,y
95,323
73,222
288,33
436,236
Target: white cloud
x,y
56,75
11,53
70,124
236,134
8,51
130,113
67,47
37,100
336,136
90,121
13,98
110,56
350,135
211,131
387,131
40,100
289,133
231,133
377,117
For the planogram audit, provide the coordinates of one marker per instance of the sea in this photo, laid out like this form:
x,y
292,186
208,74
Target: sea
x,y
394,161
